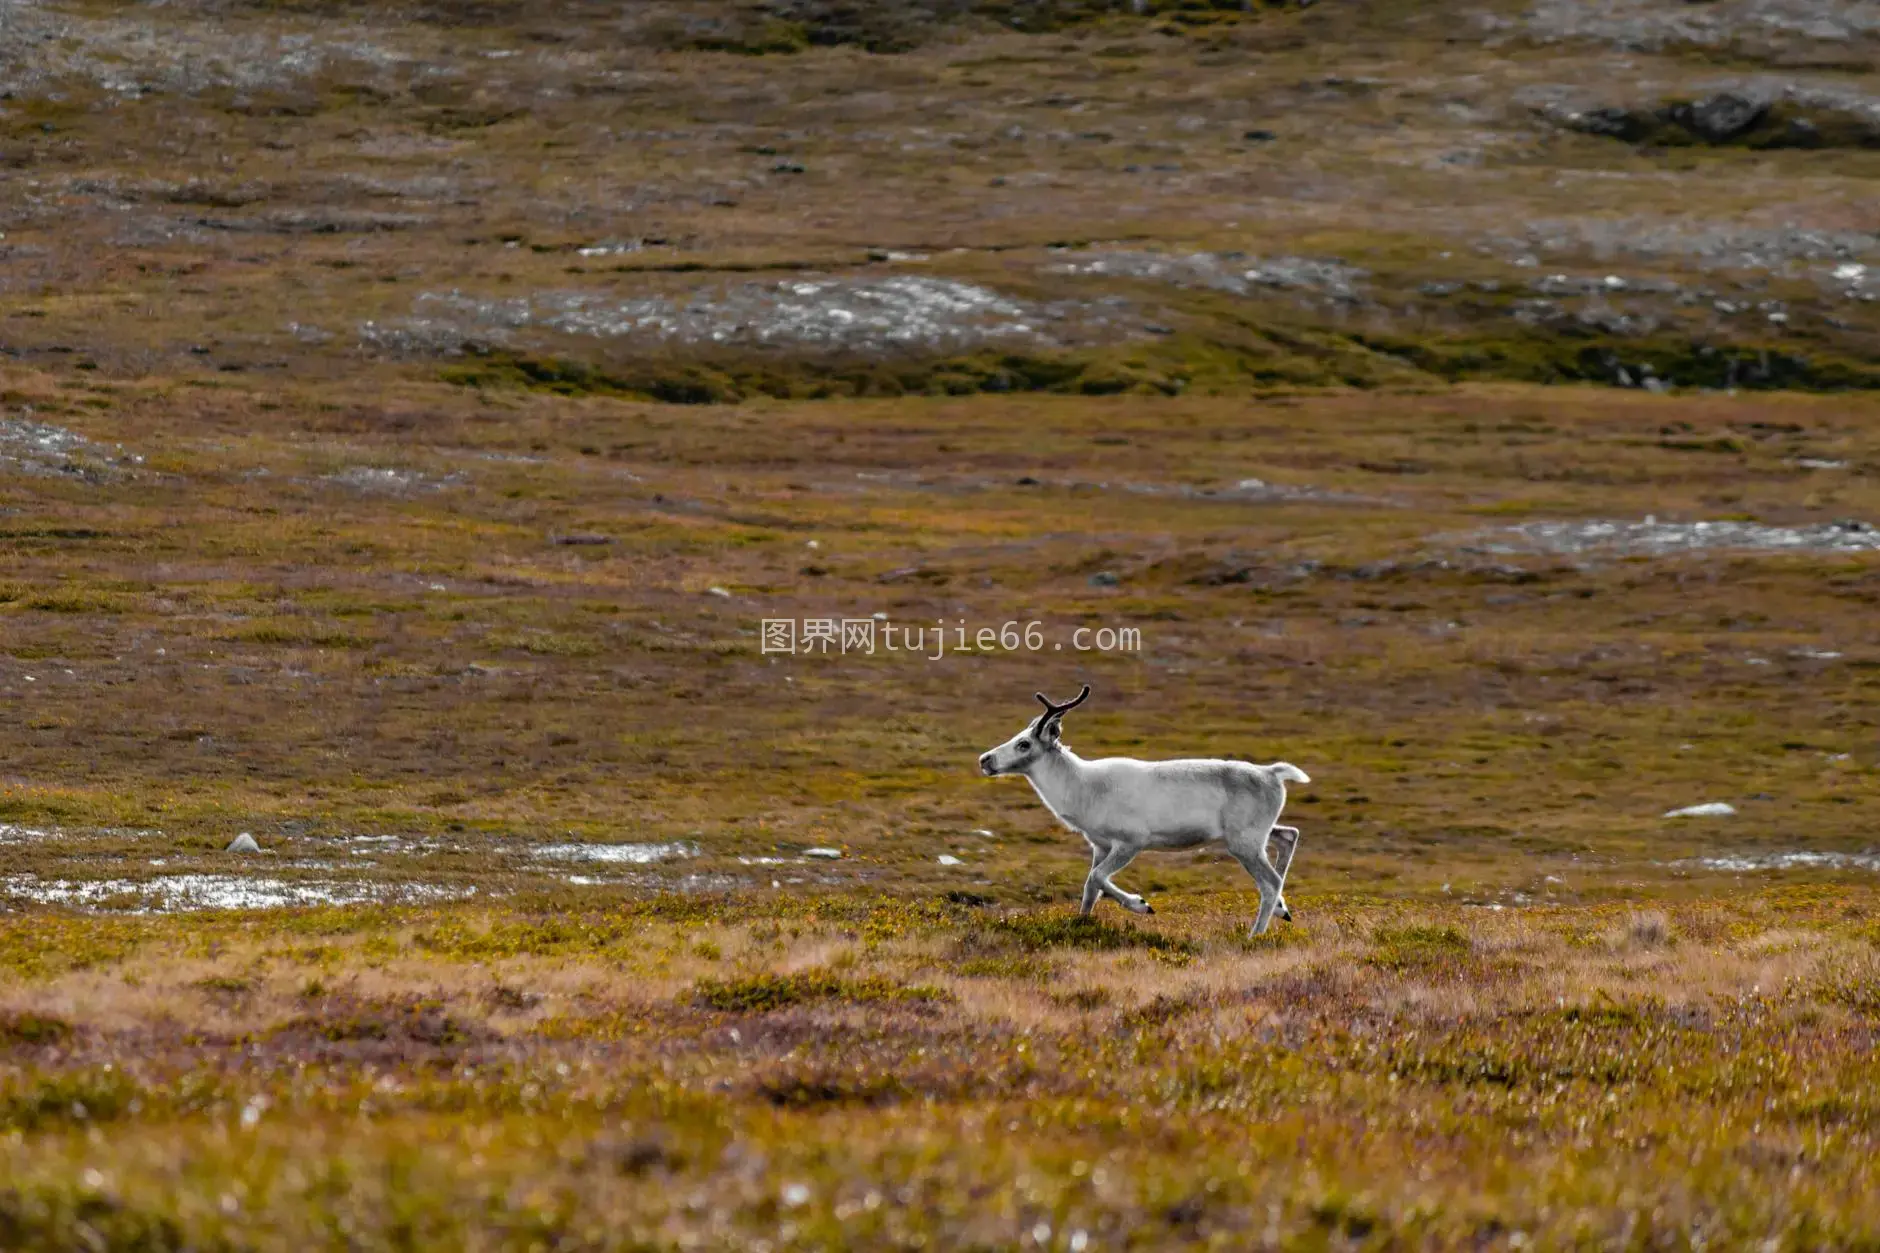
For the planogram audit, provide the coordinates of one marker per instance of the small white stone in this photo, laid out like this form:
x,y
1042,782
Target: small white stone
x,y
244,843
717,591
1710,809
831,853
948,859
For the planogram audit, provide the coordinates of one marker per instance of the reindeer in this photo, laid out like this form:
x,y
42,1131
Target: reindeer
x,y
1123,806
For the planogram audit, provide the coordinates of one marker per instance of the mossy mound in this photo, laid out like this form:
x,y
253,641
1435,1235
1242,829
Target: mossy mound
x,y
1735,119
1623,362
895,26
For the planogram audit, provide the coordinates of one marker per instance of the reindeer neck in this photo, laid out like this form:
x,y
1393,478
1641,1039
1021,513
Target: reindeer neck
x,y
1058,777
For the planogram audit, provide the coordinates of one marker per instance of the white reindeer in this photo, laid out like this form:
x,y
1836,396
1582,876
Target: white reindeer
x,y
1123,806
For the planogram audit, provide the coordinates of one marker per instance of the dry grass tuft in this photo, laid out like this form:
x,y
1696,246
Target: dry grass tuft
x,y
1649,929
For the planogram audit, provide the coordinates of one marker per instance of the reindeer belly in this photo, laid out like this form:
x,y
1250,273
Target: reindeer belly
x,y
1182,837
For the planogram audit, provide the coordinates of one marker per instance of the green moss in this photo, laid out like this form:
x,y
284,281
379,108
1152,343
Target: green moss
x,y
43,943
27,1027
1543,358
1007,967
1223,361
1230,362
813,1087
76,1097
544,643
1160,1011
420,1021
76,1217
1059,930
1854,985
1406,948
76,601
725,381
899,26
765,992
291,633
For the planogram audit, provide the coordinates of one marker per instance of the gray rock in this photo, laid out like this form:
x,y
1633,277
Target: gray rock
x,y
1653,25
1720,118
37,448
1226,271
834,312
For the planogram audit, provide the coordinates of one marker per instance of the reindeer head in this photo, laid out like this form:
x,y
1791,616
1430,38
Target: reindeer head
x,y
1040,737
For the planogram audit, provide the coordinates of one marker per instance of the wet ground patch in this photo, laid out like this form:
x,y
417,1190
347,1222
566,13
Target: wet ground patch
x,y
617,854
1798,859
183,893
1653,538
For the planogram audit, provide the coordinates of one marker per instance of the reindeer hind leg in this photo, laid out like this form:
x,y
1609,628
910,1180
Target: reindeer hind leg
x,y
1281,844
1250,852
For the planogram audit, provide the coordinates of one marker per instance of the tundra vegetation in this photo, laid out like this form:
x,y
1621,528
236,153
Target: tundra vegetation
x,y
409,412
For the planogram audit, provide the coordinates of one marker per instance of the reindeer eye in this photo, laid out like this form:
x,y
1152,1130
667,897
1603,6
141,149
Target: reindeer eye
x,y
1024,746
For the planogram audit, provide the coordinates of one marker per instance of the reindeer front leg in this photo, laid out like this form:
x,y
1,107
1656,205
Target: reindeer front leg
x,y
1120,854
1093,888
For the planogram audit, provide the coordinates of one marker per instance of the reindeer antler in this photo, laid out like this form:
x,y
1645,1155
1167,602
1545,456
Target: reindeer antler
x,y
1058,711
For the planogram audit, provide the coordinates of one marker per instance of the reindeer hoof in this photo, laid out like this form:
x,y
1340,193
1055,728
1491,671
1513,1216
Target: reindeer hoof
x,y
1284,914
1147,908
